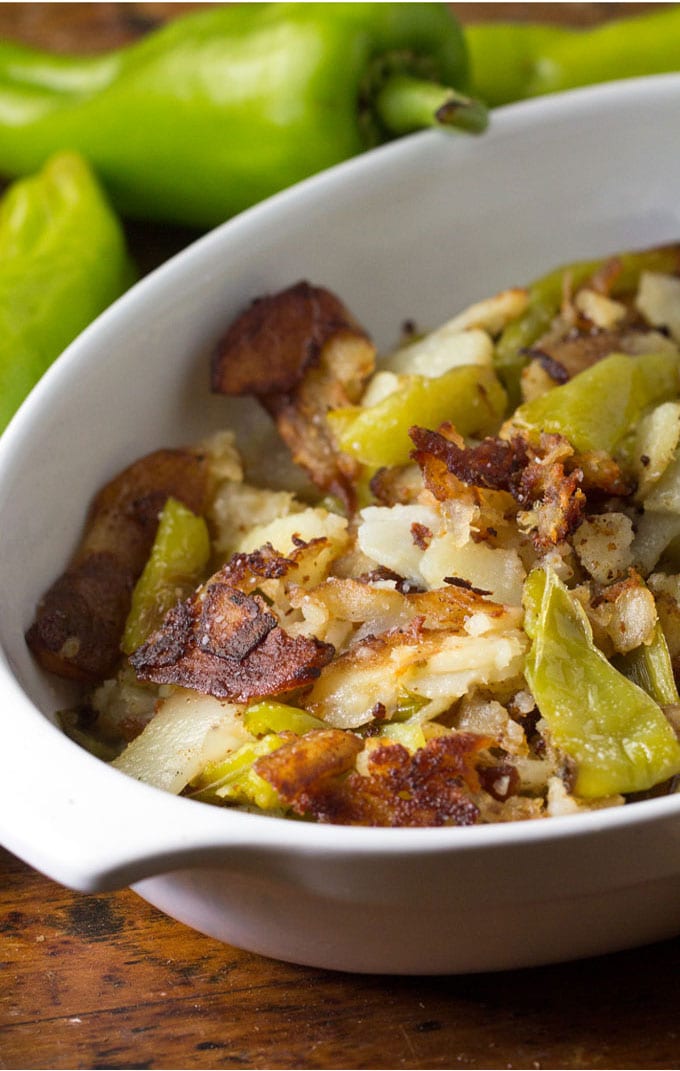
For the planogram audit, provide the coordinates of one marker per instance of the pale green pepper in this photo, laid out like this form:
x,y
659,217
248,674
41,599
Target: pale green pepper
x,y
269,716
178,558
547,293
225,106
518,60
469,396
63,260
233,780
599,407
409,734
616,734
650,667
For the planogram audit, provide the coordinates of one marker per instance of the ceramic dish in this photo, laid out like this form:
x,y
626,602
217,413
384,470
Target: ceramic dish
x,y
417,229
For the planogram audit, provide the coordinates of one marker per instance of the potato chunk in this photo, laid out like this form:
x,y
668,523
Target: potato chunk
x,y
300,352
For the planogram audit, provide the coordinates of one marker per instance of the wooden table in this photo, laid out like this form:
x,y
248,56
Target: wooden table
x,y
108,982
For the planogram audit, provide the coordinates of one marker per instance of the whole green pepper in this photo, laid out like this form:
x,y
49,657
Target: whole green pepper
x,y
62,261
221,108
512,61
616,734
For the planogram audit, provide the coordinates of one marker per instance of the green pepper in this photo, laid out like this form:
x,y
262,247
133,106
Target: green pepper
x,y
546,295
221,108
650,667
178,557
599,407
409,734
616,734
517,61
469,396
233,780
269,716
62,261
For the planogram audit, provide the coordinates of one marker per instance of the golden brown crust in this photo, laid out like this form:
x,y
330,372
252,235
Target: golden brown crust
x,y
300,352
542,477
270,347
299,767
246,571
495,464
433,787
80,619
224,643
554,495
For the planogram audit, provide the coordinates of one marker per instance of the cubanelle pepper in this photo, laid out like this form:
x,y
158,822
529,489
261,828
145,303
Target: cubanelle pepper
x,y
514,61
547,293
469,396
614,731
600,406
63,260
221,108
179,555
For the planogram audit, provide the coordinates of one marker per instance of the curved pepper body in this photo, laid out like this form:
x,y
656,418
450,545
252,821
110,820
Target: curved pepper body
x,y
63,260
547,293
174,568
219,109
598,407
616,734
513,61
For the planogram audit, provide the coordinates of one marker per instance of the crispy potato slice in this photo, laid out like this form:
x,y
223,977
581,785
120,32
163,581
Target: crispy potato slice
x,y
301,353
227,644
314,776
80,619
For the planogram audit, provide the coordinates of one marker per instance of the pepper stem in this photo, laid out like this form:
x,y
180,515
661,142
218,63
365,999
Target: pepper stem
x,y
405,104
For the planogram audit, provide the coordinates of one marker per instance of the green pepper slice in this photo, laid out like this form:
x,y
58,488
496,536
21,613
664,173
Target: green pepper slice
x,y
614,731
469,396
271,717
233,779
179,555
545,298
598,407
649,666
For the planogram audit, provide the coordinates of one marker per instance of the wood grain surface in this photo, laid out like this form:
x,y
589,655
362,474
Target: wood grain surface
x,y
109,982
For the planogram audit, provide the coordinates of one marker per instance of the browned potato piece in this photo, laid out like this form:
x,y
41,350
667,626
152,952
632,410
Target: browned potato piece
x,y
80,620
436,786
301,353
225,643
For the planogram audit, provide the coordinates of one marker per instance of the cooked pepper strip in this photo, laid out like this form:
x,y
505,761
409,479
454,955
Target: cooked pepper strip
x,y
223,107
179,555
80,620
616,734
649,666
470,397
547,293
271,717
234,780
598,407
63,259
